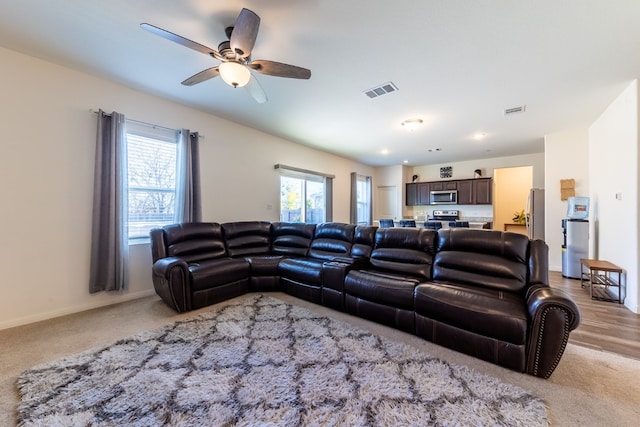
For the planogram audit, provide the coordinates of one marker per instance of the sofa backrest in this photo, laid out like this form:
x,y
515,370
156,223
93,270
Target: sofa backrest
x,y
364,239
404,250
194,241
244,238
492,259
332,239
291,238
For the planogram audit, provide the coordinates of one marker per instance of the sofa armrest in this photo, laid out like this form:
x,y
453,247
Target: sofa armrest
x,y
553,316
333,275
538,263
171,282
353,262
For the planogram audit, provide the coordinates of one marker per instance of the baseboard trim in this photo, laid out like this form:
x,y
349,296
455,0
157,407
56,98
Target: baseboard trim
x,y
74,309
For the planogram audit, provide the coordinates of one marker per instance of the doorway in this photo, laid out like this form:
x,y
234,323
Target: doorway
x,y
387,202
510,192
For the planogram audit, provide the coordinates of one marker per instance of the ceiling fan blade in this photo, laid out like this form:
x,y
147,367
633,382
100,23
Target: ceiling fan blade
x,y
181,40
279,69
244,34
202,76
255,90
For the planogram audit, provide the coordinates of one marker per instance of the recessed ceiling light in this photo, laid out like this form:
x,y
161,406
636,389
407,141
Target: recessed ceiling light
x,y
479,135
405,161
412,124
384,151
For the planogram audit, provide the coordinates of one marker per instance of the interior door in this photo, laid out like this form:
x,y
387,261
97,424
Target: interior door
x,y
387,202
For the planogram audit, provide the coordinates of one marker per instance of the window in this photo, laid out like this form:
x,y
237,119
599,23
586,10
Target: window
x,y
304,196
151,176
363,199
361,208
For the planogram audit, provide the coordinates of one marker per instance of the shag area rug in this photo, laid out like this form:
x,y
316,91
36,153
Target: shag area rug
x,y
261,361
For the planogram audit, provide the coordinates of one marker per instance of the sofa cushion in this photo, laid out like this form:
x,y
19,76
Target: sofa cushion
x,y
363,241
264,265
216,272
392,290
305,270
194,241
490,259
408,251
332,239
247,237
291,238
488,312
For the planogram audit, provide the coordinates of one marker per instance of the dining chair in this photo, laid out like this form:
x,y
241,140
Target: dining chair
x,y
386,223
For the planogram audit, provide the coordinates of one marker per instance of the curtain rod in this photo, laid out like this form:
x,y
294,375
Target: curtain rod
x,y
303,171
146,124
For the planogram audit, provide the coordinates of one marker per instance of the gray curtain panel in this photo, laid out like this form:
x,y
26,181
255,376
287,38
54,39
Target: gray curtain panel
x,y
353,211
109,239
189,206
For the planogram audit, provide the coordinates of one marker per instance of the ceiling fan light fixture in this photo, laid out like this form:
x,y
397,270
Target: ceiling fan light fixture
x,y
412,124
234,74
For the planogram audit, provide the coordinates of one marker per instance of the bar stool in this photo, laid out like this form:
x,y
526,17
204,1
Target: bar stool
x,y
433,225
454,224
386,223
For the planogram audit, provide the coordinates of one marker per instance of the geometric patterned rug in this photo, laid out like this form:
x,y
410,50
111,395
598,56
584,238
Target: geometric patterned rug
x,y
262,361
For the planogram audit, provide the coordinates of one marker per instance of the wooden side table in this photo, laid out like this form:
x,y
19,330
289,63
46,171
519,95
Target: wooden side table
x,y
598,278
516,228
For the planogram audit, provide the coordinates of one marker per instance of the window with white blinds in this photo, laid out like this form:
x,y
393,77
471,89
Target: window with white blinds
x,y
151,172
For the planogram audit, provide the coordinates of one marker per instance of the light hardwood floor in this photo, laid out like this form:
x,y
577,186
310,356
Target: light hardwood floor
x,y
606,326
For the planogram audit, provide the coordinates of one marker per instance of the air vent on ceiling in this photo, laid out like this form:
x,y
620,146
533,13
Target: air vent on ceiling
x,y
380,90
515,110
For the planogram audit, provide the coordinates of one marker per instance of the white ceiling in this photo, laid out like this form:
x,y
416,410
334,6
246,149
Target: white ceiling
x,y
457,64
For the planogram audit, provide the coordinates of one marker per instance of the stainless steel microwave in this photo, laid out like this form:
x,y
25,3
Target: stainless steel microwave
x,y
444,197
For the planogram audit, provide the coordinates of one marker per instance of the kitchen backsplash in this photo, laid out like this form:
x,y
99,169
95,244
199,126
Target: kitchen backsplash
x,y
467,213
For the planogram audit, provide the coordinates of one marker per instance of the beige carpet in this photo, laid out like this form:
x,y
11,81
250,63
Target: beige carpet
x,y
589,388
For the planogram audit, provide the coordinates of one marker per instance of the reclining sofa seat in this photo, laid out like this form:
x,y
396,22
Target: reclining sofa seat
x,y
335,271
401,260
263,245
485,297
302,277
191,268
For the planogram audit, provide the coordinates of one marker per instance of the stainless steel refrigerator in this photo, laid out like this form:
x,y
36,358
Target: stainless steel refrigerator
x,y
576,246
534,218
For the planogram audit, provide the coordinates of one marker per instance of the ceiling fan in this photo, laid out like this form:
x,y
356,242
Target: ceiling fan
x,y
235,55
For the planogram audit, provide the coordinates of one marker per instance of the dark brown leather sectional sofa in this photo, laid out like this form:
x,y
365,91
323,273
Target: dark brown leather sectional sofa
x,y
481,292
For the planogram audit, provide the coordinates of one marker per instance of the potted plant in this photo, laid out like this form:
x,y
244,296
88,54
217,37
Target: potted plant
x,y
519,217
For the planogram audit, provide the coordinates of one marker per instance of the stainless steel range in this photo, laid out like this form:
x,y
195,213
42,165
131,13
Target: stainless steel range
x,y
445,215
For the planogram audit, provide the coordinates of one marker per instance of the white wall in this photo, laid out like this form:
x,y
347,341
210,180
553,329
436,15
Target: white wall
x,y
613,168
46,170
566,156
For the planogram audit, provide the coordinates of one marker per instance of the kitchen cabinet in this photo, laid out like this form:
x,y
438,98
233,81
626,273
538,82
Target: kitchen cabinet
x,y
417,194
470,191
424,198
443,185
482,191
465,192
411,194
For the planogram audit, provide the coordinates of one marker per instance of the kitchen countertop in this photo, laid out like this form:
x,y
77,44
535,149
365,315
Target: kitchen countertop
x,y
478,224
